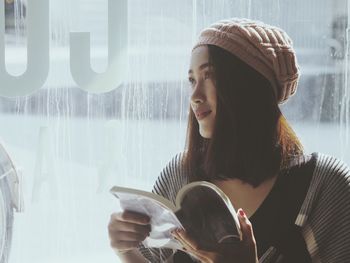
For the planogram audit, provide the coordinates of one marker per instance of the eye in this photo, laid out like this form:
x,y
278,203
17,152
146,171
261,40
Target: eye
x,y
191,80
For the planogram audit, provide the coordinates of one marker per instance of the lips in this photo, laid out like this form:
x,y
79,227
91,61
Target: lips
x,y
202,114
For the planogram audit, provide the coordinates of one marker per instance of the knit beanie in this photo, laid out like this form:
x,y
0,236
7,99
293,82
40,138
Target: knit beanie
x,y
267,49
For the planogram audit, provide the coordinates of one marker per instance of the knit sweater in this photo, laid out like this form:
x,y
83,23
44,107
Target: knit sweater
x,y
324,216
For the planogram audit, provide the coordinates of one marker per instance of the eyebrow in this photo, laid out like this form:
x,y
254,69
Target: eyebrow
x,y
201,67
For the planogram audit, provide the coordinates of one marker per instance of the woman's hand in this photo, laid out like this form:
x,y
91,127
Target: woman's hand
x,y
127,230
244,252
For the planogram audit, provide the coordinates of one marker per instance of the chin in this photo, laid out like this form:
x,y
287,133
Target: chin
x,y
205,134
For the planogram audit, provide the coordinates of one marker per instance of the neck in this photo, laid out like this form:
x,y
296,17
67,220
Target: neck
x,y
244,195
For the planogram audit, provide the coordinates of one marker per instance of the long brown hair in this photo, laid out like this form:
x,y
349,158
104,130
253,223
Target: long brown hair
x,y
251,140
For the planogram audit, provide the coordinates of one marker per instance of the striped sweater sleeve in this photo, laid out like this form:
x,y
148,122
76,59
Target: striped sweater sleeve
x,y
325,214
168,183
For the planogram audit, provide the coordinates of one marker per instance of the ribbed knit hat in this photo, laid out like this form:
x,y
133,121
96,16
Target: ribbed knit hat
x,y
267,49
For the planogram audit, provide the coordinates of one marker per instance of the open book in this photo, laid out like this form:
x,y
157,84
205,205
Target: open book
x,y
202,209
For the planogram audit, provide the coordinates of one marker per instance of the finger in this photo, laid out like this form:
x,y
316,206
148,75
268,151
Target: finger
x,y
131,217
126,236
178,238
246,227
128,227
123,245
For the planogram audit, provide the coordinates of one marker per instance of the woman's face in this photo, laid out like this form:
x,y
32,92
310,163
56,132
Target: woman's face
x,y
203,93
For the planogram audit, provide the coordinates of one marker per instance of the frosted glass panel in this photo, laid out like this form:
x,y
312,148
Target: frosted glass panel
x,y
80,124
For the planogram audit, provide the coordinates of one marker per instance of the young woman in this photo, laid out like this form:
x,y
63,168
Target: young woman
x,y
298,204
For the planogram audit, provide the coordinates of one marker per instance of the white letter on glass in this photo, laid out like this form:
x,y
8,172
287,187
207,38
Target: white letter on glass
x,y
44,171
37,55
80,63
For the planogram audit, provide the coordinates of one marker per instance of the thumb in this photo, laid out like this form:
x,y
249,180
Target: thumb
x,y
246,228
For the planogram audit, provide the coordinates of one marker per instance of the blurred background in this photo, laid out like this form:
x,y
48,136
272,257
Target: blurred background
x,y
74,143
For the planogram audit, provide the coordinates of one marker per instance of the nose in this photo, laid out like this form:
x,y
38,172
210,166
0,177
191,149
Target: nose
x,y
198,95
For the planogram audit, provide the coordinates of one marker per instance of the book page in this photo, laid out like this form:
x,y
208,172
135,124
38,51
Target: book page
x,y
163,220
207,216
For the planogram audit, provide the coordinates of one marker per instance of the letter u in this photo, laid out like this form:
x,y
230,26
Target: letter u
x,y
37,52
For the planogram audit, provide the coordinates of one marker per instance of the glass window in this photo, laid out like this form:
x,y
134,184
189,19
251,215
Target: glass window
x,y
81,112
